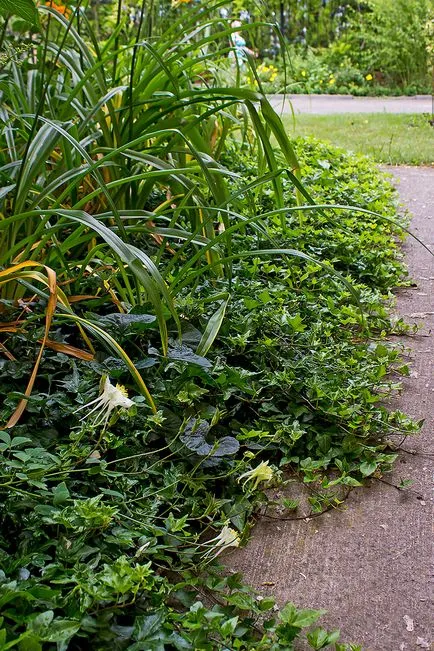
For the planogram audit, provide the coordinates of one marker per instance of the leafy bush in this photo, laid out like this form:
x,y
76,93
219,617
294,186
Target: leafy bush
x,y
379,47
338,70
391,42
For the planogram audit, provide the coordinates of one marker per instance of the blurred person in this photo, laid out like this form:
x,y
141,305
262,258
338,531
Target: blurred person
x,y
240,49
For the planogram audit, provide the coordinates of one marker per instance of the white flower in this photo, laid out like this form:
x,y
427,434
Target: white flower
x,y
110,398
23,573
261,473
226,538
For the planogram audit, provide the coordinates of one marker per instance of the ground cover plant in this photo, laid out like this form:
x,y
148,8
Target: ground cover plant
x,y
399,139
189,315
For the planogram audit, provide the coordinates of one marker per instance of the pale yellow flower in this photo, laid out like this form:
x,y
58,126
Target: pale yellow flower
x,y
261,473
369,77
112,397
227,537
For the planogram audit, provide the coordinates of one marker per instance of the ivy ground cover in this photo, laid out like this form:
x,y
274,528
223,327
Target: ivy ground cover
x,y
110,534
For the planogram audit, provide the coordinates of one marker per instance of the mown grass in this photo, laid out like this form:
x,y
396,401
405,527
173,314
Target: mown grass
x,y
393,139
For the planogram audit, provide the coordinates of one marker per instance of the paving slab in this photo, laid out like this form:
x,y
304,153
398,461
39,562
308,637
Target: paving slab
x,y
371,566
329,104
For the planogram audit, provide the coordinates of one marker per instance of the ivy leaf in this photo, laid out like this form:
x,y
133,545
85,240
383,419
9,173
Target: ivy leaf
x,y
29,644
320,638
60,494
145,363
185,354
190,335
227,445
147,625
61,630
367,468
25,9
194,439
229,626
299,618
124,320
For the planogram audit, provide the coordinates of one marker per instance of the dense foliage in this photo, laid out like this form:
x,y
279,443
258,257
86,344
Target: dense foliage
x,y
392,42
369,47
378,47
186,300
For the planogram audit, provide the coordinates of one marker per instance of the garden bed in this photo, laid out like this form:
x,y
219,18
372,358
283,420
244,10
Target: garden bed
x,y
190,313
107,528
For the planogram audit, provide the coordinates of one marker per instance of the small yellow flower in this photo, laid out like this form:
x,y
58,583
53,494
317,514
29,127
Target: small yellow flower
x,y
227,538
369,77
261,473
332,80
303,73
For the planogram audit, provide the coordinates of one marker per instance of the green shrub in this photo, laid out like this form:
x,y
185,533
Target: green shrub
x,y
390,42
382,47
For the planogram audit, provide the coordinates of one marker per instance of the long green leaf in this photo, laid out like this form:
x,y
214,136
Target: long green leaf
x,y
212,329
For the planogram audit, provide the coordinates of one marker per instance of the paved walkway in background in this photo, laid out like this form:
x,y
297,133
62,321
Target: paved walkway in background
x,y
371,566
328,104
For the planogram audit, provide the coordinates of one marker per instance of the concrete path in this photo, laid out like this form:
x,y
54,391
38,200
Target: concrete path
x,y
371,566
328,104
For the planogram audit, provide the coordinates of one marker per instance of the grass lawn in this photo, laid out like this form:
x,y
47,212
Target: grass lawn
x,y
400,139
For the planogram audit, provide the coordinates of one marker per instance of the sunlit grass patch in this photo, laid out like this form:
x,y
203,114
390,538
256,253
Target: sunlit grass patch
x,y
395,139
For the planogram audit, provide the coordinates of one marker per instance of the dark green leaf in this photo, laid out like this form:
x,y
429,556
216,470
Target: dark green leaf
x,y
26,9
